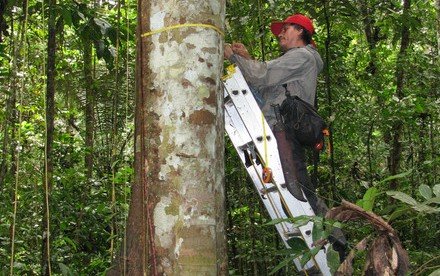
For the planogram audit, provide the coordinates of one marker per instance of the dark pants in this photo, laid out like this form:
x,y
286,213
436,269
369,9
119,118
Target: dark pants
x,y
301,175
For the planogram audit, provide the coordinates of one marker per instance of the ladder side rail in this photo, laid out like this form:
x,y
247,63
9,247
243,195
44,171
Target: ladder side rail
x,y
251,115
272,201
252,119
239,137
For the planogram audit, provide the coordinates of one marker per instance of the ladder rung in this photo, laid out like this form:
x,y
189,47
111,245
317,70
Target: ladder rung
x,y
272,189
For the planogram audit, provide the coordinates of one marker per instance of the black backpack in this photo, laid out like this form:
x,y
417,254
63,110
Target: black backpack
x,y
303,122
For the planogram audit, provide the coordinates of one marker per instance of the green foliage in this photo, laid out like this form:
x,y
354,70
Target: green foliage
x,y
90,27
367,202
81,209
322,228
332,259
424,207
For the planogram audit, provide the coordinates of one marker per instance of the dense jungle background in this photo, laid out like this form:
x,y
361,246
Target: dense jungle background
x,y
66,129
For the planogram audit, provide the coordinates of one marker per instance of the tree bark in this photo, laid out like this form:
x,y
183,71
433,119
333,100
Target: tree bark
x,y
372,34
329,97
176,218
89,108
395,154
432,131
437,5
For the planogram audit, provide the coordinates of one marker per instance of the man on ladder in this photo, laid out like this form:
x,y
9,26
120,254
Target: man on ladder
x,y
294,73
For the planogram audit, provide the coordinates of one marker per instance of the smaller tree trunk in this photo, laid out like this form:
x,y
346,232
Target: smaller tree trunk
x,y
50,116
437,5
395,154
89,109
329,95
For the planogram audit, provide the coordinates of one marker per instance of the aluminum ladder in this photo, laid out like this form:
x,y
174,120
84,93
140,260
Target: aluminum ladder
x,y
246,128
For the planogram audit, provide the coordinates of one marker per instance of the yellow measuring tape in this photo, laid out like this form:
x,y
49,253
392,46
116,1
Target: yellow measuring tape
x,y
230,70
267,172
185,25
266,159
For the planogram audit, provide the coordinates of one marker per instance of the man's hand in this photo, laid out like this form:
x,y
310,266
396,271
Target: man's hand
x,y
236,48
240,49
228,51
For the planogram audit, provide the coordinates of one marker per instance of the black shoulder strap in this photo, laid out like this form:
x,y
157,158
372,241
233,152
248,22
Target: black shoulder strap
x,y
287,93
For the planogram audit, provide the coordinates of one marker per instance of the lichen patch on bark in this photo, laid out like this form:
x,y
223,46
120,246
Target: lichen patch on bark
x,y
164,223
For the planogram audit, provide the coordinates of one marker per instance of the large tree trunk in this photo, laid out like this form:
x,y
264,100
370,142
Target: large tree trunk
x,y
176,219
50,116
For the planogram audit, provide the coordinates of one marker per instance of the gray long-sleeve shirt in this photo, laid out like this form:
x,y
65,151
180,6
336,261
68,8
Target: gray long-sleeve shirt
x,y
298,68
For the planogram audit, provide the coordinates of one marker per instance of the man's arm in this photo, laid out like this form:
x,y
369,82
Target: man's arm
x,y
284,69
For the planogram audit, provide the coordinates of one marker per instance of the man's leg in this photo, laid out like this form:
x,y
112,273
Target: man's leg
x,y
337,238
301,174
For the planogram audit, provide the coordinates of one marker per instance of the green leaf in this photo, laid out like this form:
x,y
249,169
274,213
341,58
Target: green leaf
x,y
315,250
297,245
419,107
423,208
4,73
433,200
332,259
308,255
305,258
436,189
67,16
302,220
65,270
284,263
425,191
369,198
397,176
402,197
398,213
420,207
435,273
376,133
278,220
318,231
71,242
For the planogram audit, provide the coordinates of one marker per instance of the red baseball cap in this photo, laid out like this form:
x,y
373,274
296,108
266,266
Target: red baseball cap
x,y
297,19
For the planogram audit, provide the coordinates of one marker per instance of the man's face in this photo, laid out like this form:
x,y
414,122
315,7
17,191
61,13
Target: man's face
x,y
289,37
